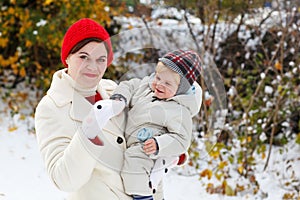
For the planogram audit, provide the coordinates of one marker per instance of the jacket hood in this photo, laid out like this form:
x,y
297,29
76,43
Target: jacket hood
x,y
193,104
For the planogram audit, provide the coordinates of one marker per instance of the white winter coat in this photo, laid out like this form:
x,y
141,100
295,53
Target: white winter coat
x,y
73,163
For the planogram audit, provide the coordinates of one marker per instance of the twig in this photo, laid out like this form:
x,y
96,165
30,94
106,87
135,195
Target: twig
x,y
148,29
275,118
192,33
215,25
280,47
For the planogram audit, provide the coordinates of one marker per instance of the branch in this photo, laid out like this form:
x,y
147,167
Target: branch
x,y
148,29
215,25
191,32
275,118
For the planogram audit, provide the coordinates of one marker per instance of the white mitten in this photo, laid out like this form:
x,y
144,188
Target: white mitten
x,y
99,115
161,167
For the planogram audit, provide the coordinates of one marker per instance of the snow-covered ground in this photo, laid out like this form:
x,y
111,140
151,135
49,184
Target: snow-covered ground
x,y
23,176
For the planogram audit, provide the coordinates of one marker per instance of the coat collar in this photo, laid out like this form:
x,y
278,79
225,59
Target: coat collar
x,y
62,93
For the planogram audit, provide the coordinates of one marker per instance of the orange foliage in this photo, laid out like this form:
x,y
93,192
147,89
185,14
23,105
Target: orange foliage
x,y
31,36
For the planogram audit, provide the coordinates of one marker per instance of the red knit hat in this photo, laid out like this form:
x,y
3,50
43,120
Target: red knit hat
x,y
83,29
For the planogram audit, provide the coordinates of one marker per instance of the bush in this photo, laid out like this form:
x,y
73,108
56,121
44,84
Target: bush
x,y
31,35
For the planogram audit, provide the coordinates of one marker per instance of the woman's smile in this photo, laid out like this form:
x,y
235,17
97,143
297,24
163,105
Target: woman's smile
x,y
91,75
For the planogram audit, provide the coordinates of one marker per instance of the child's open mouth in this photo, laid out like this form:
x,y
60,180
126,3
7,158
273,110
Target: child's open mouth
x,y
159,91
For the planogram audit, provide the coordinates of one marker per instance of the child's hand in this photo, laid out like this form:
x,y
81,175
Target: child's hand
x,y
150,146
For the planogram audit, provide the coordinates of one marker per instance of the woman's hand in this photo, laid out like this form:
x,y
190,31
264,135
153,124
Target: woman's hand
x,y
150,146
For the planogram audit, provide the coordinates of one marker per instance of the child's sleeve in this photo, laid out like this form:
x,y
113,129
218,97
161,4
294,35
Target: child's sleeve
x,y
178,137
126,89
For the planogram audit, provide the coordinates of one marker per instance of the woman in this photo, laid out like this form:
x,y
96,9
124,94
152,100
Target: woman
x,y
76,159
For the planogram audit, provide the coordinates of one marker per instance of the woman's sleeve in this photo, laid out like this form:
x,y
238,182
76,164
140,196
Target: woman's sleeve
x,y
63,148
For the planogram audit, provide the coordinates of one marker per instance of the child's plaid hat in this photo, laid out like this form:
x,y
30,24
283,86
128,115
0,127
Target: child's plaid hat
x,y
187,64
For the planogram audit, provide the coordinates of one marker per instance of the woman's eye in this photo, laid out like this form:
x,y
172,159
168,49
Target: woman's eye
x,y
83,57
102,60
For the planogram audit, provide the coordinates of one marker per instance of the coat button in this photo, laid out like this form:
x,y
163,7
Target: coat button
x,y
119,140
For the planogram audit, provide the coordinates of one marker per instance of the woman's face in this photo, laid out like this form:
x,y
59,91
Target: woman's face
x,y
164,84
88,65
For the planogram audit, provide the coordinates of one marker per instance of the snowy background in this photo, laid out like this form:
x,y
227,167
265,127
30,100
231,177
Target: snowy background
x,y
22,173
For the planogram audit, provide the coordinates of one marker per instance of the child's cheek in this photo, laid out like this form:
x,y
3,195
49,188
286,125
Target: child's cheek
x,y
153,85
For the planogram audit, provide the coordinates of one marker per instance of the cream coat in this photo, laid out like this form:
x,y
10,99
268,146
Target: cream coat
x,y
171,123
74,164
172,116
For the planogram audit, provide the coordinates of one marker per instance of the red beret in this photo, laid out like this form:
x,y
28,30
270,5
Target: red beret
x,y
83,29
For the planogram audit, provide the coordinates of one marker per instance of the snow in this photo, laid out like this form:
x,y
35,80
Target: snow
x,y
262,75
23,176
268,89
42,22
275,18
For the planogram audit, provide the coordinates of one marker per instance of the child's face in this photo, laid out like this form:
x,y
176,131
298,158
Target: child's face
x,y
164,84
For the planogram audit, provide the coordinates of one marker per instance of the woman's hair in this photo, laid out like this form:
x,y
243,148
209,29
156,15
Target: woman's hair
x,y
163,68
83,42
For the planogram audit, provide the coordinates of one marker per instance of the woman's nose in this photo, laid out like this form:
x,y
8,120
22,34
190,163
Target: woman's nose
x,y
92,65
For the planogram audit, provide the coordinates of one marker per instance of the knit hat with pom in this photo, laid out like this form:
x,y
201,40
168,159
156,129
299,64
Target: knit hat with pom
x,y
83,29
187,64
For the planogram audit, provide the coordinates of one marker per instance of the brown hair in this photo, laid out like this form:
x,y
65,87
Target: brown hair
x,y
82,43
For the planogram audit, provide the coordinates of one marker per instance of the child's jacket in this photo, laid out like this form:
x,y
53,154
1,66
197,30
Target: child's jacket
x,y
170,119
